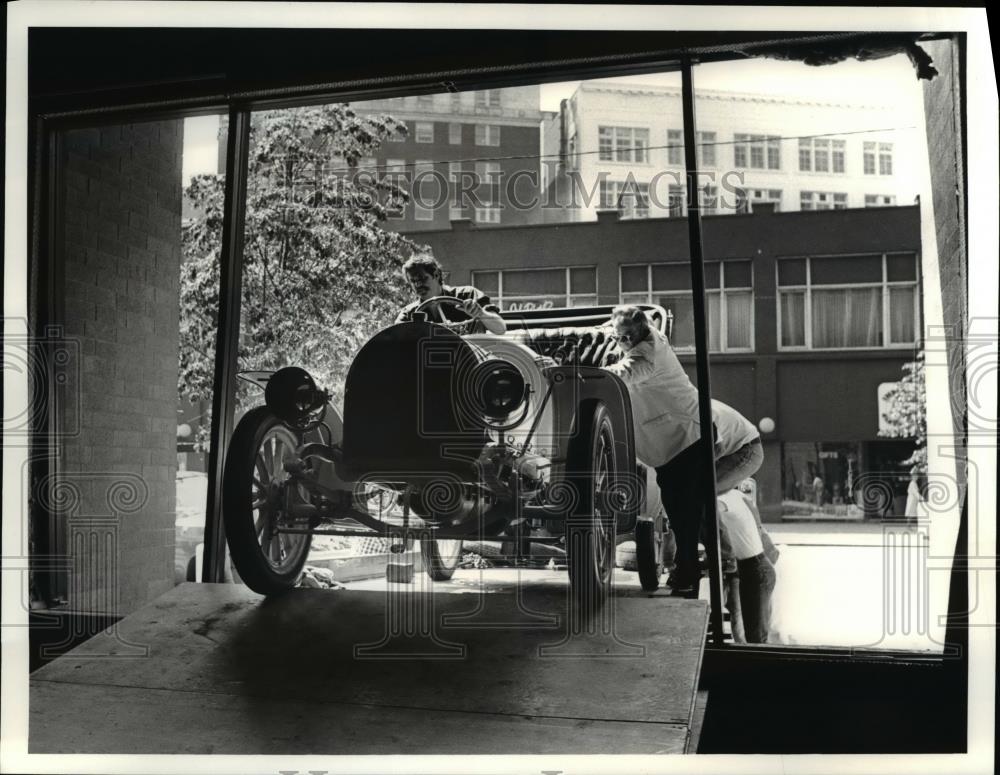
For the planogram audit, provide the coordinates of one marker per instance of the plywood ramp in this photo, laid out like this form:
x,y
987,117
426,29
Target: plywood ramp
x,y
212,668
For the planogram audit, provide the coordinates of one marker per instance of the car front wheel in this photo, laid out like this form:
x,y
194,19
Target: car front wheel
x,y
254,501
590,529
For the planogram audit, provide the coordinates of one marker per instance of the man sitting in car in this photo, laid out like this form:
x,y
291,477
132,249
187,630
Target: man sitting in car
x,y
475,315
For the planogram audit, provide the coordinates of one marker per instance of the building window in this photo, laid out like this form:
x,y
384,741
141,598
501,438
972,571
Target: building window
x,y
822,200
455,209
728,298
522,289
487,134
708,199
746,198
425,132
487,214
848,302
488,192
885,158
879,200
706,149
630,199
455,133
877,158
838,156
622,143
489,98
426,190
675,148
676,201
820,154
757,152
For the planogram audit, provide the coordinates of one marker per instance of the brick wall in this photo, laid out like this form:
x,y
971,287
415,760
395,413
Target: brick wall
x,y
120,191
943,116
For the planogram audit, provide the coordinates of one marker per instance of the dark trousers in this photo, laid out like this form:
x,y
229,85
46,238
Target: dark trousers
x,y
757,579
682,488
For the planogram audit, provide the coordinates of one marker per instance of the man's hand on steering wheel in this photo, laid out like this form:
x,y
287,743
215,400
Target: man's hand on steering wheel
x,y
469,307
489,321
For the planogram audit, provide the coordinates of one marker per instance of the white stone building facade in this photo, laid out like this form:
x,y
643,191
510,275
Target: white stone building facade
x,y
621,145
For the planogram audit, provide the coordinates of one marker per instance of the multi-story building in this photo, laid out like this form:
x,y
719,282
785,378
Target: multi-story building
x,y
810,316
620,145
484,143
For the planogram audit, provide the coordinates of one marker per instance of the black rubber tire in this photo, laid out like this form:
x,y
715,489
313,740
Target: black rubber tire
x,y
441,557
649,552
590,534
258,431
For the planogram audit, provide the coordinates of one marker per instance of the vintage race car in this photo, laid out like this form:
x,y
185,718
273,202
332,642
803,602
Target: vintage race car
x,y
447,437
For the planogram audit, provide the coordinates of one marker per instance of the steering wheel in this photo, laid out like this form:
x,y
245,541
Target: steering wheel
x,y
439,300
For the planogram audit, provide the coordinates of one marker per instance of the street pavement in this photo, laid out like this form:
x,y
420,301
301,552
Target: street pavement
x,y
837,585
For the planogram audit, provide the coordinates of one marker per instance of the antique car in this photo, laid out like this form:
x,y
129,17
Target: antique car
x,y
448,436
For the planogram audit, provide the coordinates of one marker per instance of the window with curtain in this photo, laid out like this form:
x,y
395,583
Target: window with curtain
x,y
848,302
522,289
728,300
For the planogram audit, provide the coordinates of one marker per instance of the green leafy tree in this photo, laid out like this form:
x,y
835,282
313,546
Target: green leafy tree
x,y
906,416
320,274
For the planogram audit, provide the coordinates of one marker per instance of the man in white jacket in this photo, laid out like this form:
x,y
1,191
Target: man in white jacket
x,y
665,414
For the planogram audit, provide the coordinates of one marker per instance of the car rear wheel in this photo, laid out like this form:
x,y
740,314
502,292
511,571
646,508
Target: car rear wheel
x,y
590,530
649,552
254,501
441,557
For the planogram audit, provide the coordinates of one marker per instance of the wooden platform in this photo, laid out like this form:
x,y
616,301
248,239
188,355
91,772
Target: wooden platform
x,y
217,669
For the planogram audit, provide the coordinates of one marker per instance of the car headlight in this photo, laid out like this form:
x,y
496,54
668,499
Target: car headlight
x,y
498,388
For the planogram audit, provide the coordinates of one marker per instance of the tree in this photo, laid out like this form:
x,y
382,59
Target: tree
x,y
320,275
906,416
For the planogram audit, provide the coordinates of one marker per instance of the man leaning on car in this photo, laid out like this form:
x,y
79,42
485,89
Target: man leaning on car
x,y
667,427
476,313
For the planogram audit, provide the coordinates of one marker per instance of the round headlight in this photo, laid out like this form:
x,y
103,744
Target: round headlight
x,y
499,388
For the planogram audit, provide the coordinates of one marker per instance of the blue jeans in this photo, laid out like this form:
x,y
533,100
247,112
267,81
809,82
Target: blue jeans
x,y
757,579
732,469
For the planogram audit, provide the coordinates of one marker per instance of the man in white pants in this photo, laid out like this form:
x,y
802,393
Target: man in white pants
x,y
740,537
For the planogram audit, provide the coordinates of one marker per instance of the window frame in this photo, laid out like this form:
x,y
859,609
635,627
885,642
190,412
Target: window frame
x,y
631,129
638,195
832,150
833,201
807,651
885,285
417,126
746,145
499,299
720,292
706,144
488,132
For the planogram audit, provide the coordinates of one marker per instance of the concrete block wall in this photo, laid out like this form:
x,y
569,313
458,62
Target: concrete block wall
x,y
120,205
945,133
